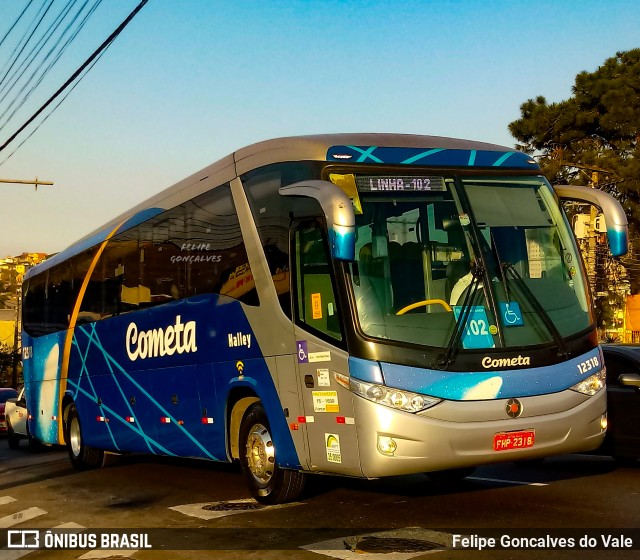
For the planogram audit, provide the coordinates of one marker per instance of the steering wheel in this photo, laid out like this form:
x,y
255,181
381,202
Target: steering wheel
x,y
424,303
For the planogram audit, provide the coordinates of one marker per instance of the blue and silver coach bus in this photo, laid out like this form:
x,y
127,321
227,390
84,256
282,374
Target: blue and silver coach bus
x,y
356,304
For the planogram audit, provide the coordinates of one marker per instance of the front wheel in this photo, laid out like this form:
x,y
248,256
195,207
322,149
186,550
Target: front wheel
x,y
268,483
82,456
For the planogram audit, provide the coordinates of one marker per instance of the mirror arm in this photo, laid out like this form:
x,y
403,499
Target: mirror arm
x,y
338,210
614,216
630,379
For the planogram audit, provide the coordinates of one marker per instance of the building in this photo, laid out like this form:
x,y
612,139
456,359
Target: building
x,y
7,327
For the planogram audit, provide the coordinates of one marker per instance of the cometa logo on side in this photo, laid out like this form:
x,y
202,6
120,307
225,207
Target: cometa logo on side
x,y
177,338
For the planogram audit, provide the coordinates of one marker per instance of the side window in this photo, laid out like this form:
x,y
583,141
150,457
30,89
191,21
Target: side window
x,y
273,213
33,307
113,287
314,291
59,299
196,248
616,366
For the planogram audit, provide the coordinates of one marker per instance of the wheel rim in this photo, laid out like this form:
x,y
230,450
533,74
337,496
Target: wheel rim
x,y
261,453
75,438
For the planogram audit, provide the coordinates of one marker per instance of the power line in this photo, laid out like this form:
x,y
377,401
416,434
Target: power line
x,y
57,56
15,22
79,71
22,44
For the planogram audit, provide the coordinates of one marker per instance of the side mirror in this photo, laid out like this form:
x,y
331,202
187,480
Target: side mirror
x,y
629,379
338,210
614,216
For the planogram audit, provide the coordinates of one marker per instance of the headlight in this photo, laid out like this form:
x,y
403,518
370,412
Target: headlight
x,y
592,384
393,398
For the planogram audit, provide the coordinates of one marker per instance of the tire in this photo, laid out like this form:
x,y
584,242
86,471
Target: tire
x,y
450,476
82,456
267,482
12,438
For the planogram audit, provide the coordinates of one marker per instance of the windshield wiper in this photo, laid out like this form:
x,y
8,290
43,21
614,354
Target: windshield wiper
x,y
563,349
449,355
507,268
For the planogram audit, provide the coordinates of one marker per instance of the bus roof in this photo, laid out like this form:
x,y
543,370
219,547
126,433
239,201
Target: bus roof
x,y
293,148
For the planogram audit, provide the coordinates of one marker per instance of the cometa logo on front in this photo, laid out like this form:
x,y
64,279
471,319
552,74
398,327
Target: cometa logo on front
x,y
488,362
179,337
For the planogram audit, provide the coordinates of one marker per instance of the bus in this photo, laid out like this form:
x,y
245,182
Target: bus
x,y
364,305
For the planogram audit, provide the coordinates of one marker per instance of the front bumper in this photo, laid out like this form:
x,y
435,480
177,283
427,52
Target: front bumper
x,y
456,434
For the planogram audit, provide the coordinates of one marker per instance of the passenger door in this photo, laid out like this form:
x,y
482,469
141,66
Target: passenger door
x,y
321,354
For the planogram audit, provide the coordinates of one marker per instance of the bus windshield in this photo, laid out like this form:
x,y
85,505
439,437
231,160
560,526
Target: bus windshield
x,y
496,254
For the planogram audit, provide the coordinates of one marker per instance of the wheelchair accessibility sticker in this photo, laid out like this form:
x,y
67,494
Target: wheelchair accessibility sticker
x,y
511,314
306,357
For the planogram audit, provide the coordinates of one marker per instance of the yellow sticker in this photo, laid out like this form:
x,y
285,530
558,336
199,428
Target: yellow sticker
x,y
316,306
493,329
332,442
325,401
348,184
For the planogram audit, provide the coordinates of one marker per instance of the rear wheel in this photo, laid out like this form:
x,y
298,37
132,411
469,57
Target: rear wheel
x,y
82,456
268,483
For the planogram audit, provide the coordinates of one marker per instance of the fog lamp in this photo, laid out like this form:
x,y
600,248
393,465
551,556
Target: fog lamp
x,y
387,445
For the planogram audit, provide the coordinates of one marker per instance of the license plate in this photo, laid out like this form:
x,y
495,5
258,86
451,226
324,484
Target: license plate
x,y
513,440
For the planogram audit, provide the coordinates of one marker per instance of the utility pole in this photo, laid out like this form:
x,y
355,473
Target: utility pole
x,y
36,182
17,342
17,346
592,240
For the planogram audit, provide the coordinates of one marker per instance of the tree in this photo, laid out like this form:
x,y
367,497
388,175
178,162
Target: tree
x,y
8,357
596,130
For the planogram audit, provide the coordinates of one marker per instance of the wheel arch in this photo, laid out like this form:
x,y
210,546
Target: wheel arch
x,y
238,401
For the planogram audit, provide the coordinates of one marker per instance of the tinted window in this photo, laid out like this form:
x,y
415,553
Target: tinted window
x,y
195,248
617,364
273,214
315,296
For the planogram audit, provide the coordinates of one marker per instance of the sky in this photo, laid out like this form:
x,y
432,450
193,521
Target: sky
x,y
190,81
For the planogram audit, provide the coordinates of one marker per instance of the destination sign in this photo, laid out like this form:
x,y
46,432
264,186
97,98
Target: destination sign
x,y
408,183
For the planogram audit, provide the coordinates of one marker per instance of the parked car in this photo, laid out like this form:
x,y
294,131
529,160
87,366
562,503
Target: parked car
x,y
623,401
16,419
5,393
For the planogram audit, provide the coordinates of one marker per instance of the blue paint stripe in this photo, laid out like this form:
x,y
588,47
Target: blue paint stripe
x,y
472,157
160,408
94,337
366,154
422,155
502,159
114,414
527,382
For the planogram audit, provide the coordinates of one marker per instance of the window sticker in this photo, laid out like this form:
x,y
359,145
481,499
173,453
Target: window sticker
x,y
475,334
316,306
348,184
511,314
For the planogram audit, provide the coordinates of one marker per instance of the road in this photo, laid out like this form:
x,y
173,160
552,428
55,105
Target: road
x,y
195,509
